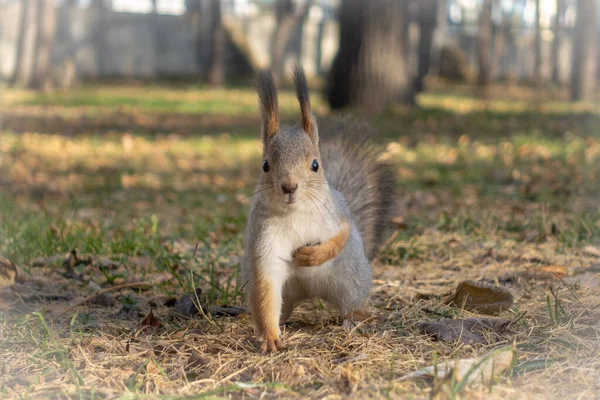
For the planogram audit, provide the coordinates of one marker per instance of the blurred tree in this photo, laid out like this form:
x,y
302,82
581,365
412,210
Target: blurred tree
x,y
46,29
537,51
288,18
216,72
438,36
193,11
583,70
101,18
560,9
483,45
20,47
369,70
427,18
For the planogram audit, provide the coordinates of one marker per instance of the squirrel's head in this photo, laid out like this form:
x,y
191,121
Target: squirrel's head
x,y
291,161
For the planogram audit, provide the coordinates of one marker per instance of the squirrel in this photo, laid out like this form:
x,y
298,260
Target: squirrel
x,y
318,217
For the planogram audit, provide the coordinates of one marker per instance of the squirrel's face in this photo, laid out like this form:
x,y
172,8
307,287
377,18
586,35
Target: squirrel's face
x,y
291,168
291,155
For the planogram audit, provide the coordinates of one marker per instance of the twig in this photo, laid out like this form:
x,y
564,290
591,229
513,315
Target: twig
x,y
101,292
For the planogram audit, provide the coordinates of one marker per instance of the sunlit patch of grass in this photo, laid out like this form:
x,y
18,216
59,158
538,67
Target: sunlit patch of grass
x,y
482,194
149,98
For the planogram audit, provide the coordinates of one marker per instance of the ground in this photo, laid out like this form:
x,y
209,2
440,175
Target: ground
x,y
148,184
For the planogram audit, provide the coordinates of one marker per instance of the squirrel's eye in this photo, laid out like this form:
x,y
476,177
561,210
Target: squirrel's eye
x,y
266,167
315,166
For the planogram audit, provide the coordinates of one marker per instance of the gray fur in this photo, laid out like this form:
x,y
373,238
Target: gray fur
x,y
351,186
350,160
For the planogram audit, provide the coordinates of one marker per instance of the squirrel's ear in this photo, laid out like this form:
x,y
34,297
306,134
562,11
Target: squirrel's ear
x,y
268,104
308,120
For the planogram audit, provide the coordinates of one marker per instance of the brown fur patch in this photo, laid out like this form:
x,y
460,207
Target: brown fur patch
x,y
269,104
311,256
304,100
265,313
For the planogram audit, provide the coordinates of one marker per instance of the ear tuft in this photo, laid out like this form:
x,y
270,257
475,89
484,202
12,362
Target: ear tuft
x,y
268,103
304,100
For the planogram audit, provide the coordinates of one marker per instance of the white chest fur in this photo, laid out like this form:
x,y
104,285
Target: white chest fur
x,y
285,233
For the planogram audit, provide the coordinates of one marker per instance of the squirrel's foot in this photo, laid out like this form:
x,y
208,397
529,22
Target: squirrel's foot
x,y
271,345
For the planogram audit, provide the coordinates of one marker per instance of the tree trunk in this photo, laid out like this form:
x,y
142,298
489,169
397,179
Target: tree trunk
x,y
20,47
98,37
427,22
288,20
499,45
560,4
46,28
438,36
193,12
537,51
583,72
216,73
369,70
483,45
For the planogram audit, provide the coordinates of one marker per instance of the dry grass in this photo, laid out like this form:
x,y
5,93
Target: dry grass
x,y
491,207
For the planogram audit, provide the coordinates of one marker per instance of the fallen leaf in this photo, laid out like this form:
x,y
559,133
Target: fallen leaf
x,y
586,280
480,297
559,271
469,331
105,262
8,272
227,311
150,320
484,369
591,251
400,223
140,347
195,360
188,305
533,236
45,261
104,300
194,331
143,262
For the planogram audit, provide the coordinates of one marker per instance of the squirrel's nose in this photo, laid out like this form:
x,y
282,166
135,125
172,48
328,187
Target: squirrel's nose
x,y
288,189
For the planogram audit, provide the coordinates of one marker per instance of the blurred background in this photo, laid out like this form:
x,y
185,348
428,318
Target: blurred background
x,y
127,121
57,44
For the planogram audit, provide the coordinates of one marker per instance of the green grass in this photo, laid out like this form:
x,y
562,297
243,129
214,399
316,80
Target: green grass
x,y
503,186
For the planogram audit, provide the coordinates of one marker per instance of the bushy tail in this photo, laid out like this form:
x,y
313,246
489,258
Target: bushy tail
x,y
352,166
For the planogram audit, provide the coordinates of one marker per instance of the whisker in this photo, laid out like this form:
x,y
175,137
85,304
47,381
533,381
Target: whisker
x,y
256,192
311,198
326,207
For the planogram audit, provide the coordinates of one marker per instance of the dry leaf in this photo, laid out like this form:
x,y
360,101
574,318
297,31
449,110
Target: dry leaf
x,y
44,261
479,297
188,305
143,262
195,360
469,331
591,251
227,311
150,320
484,369
400,223
8,272
587,280
559,271
194,331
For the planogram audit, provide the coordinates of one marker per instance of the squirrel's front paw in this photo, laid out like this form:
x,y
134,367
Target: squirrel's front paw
x,y
309,256
271,345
